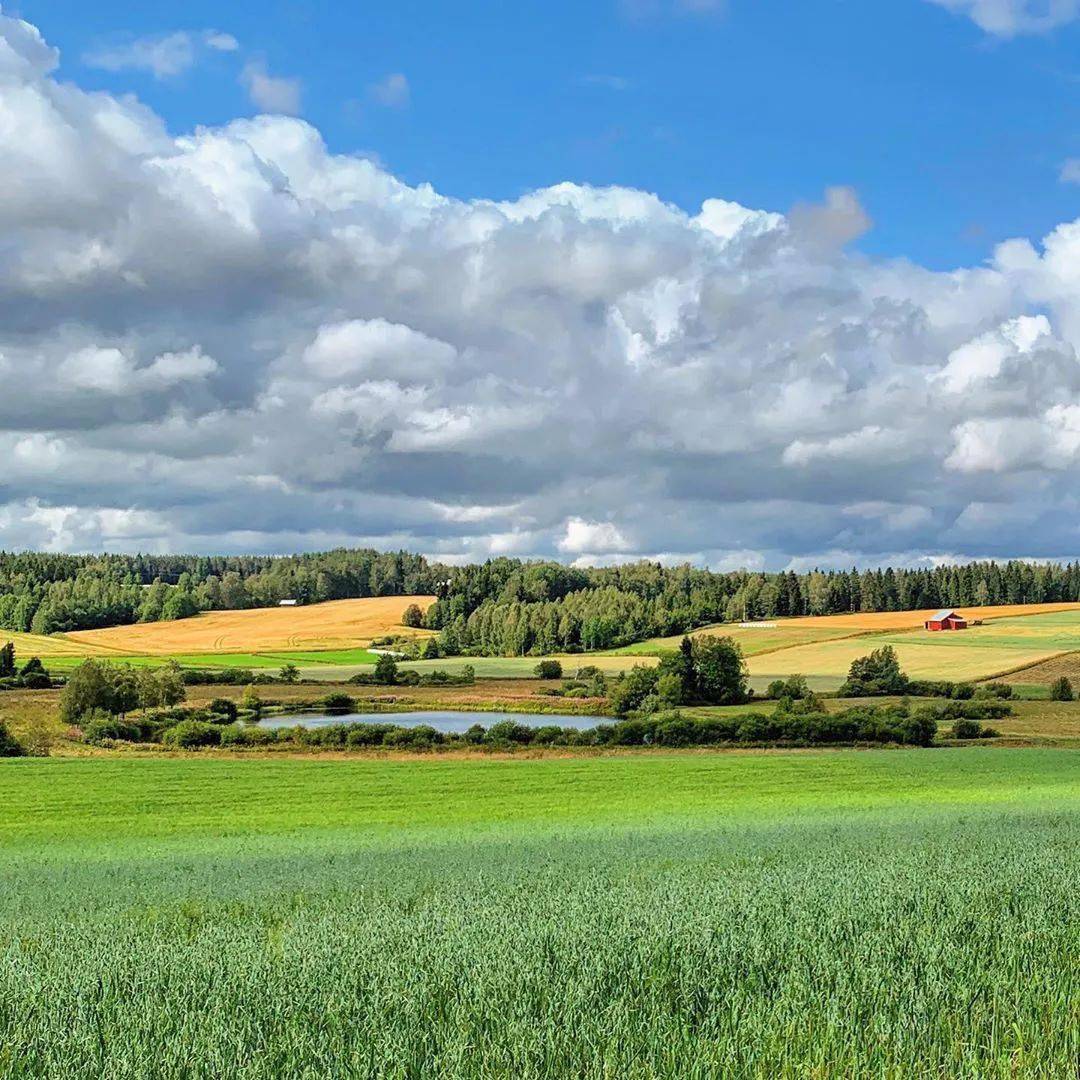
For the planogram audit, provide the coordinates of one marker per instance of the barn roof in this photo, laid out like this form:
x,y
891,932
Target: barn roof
x,y
944,613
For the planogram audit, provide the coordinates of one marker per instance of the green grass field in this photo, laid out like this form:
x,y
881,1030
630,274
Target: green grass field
x,y
887,913
361,658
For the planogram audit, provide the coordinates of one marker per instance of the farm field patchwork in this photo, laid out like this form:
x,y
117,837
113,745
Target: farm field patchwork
x,y
821,648
999,645
759,914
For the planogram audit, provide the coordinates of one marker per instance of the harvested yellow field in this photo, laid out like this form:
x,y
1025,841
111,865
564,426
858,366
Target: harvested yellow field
x,y
905,620
27,645
337,624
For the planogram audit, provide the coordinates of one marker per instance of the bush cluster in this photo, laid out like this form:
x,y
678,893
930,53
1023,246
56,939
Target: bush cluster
x,y
972,729
228,677
1062,690
962,691
589,682
386,673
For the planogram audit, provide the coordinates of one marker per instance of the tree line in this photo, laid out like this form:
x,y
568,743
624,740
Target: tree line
x,y
500,607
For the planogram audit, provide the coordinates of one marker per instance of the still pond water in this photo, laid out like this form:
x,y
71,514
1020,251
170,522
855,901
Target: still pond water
x,y
446,722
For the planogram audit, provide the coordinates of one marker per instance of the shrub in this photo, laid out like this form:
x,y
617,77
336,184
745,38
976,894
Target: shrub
x,y
972,729
367,734
413,617
509,731
97,726
239,734
1062,690
987,709
965,729
419,737
548,669
929,688
9,745
673,729
189,734
289,673
250,700
794,687
1001,690
222,711
337,703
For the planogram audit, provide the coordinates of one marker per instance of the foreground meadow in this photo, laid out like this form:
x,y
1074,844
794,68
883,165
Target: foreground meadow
x,y
888,913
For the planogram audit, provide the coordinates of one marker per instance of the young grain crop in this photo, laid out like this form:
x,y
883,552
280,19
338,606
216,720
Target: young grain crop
x,y
878,914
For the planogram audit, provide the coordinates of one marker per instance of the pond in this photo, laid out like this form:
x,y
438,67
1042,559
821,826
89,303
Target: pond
x,y
445,721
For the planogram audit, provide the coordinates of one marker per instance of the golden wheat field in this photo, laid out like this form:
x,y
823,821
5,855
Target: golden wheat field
x,y
336,624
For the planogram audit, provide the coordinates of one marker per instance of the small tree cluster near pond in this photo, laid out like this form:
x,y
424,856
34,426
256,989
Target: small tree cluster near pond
x,y
708,670
97,687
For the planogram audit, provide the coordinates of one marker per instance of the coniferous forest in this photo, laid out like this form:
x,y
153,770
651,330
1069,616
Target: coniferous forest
x,y
500,607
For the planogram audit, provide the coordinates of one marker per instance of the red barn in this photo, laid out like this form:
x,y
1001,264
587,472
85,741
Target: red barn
x,y
946,620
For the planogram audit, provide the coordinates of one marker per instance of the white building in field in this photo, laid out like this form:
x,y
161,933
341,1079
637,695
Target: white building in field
x,y
288,603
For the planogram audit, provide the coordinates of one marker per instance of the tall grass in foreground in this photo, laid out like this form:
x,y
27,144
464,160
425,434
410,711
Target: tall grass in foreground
x,y
905,941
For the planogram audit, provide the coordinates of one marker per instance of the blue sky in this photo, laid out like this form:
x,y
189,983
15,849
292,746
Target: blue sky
x,y
953,138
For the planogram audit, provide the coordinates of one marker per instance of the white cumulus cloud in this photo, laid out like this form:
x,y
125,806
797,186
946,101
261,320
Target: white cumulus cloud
x,y
232,338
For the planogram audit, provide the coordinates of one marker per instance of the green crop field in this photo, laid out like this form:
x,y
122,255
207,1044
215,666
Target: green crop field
x,y
887,913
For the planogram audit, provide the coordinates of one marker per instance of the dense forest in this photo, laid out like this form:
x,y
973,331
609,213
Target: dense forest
x,y
501,607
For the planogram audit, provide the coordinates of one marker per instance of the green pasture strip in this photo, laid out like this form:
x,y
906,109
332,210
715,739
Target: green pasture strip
x,y
189,660
325,656
110,798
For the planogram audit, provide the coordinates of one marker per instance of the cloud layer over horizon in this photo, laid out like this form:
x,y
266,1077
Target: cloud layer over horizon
x,y
233,340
